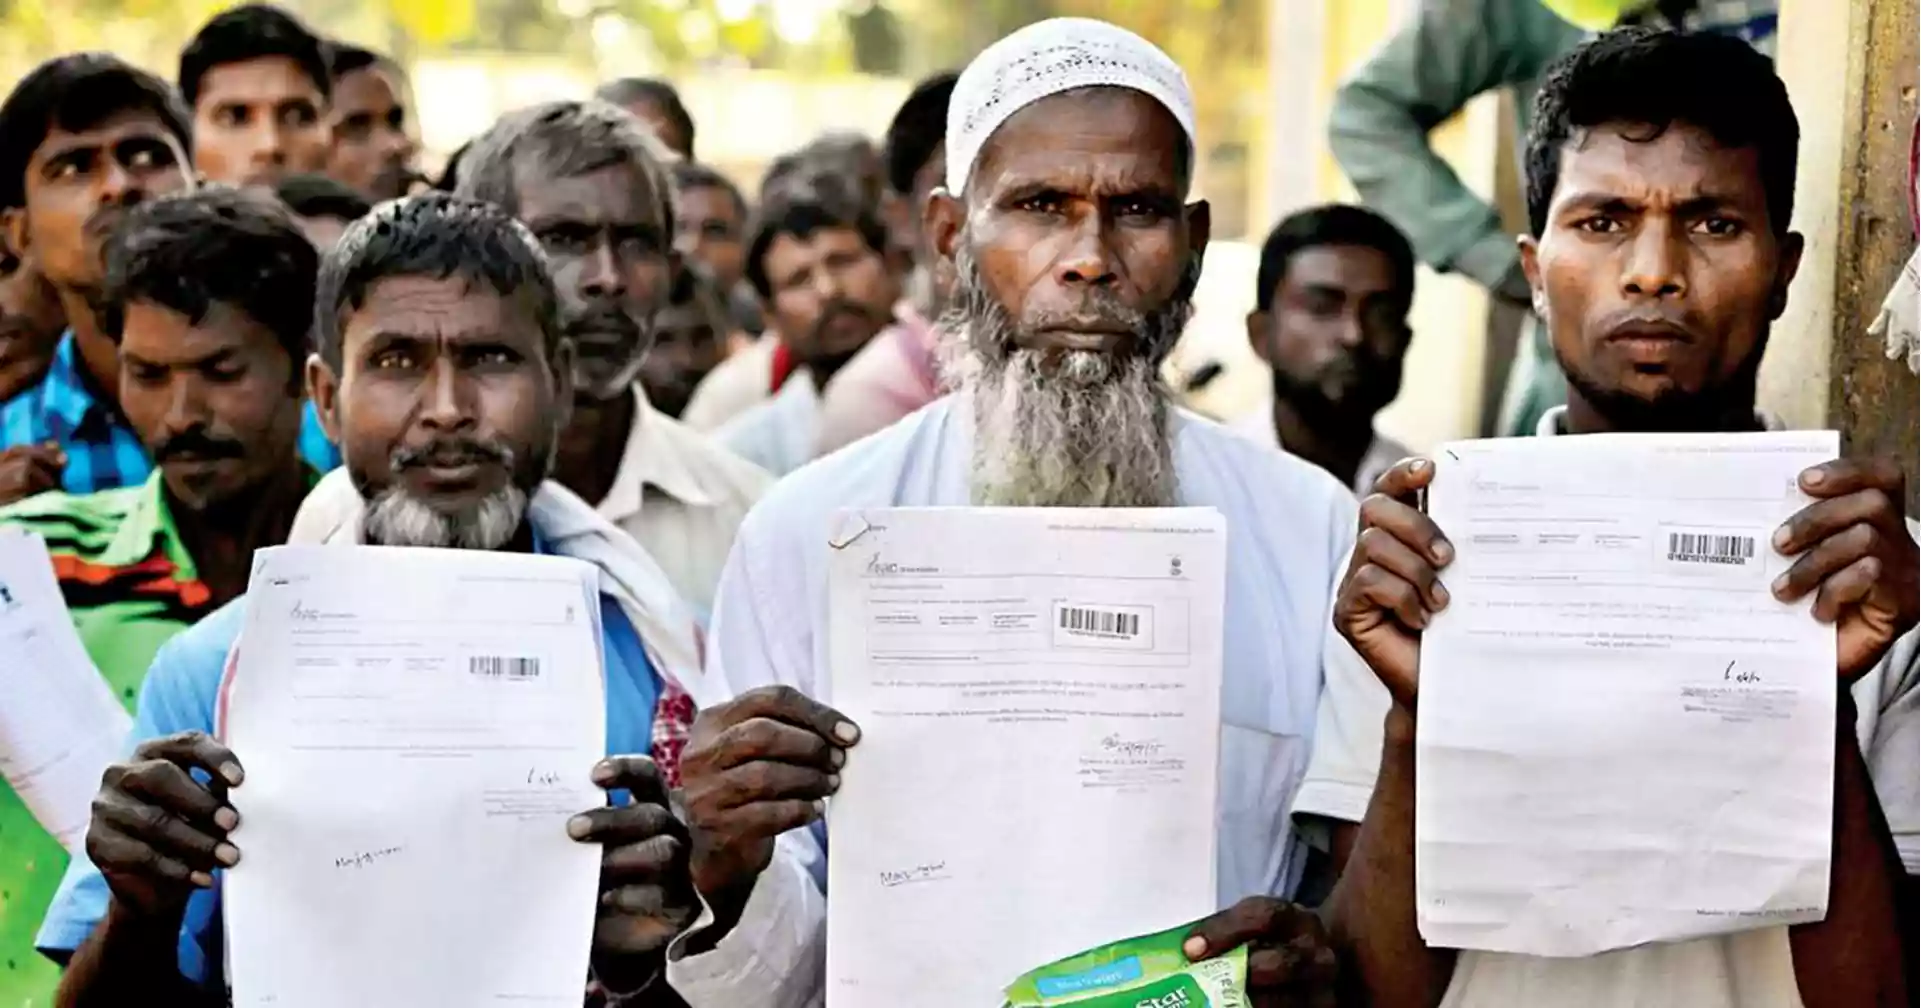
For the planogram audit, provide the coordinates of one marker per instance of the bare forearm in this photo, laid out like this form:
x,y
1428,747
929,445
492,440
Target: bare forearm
x,y
127,961
1370,915
1855,957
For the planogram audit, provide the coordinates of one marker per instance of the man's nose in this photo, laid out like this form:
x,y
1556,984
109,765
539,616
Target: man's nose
x,y
600,273
1087,261
186,405
445,400
1656,263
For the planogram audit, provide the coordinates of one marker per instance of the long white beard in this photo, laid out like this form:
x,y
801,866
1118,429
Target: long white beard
x,y
1091,431
395,519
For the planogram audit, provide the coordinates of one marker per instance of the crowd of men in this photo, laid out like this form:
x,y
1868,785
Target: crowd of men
x,y
234,314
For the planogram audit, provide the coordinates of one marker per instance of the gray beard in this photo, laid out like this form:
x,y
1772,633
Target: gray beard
x,y
395,519
1090,430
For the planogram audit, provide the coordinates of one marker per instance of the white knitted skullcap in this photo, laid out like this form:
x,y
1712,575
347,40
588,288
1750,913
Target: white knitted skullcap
x,y
1045,59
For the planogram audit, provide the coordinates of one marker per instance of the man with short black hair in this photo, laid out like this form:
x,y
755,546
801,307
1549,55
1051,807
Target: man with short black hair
x,y
820,268
210,295
367,117
710,221
83,139
1660,187
324,207
1332,295
258,84
444,372
690,339
657,104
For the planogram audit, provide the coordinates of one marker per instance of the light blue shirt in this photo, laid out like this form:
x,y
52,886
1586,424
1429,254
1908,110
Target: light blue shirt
x,y
179,695
1290,527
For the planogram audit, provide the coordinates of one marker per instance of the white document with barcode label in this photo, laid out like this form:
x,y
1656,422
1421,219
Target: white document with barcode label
x,y
1039,695
416,728
60,724
1623,737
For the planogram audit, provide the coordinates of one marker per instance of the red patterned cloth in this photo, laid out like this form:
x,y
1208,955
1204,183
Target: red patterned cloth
x,y
673,720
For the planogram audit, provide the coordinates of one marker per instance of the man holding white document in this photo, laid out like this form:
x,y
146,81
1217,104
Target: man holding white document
x,y
443,376
1065,213
1679,658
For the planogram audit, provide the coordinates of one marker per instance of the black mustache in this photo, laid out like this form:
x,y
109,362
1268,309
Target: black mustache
x,y
615,323
452,452
200,444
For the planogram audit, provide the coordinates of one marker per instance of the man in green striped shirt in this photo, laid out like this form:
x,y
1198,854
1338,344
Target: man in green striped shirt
x,y
212,296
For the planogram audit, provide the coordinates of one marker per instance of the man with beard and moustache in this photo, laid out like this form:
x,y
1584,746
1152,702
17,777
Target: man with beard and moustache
x,y
31,324
443,372
1660,184
820,266
1070,149
212,297
592,185
1332,295
83,139
258,84
367,118
690,339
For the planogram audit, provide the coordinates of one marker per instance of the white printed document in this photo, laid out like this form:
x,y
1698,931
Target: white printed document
x,y
1623,737
1039,695
416,727
60,724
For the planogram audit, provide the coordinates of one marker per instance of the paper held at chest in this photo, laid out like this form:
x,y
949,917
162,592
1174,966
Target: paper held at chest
x,y
60,724
416,728
1039,695
1623,737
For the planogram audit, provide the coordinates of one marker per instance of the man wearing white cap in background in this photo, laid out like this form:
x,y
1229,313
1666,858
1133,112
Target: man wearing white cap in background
x,y
1065,216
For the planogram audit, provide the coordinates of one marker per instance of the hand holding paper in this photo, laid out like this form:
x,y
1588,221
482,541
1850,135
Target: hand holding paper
x,y
157,833
1855,557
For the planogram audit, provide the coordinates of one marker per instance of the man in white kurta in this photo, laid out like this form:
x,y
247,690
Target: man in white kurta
x,y
1057,403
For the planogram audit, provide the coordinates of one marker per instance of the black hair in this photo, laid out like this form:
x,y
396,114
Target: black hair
x,y
77,92
216,246
562,139
1332,224
344,58
1656,78
656,92
436,235
320,196
250,32
450,172
694,286
800,214
694,175
918,129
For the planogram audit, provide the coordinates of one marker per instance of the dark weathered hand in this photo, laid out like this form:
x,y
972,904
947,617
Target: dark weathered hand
x,y
646,894
26,470
754,768
157,834
1855,556
1289,959
1392,585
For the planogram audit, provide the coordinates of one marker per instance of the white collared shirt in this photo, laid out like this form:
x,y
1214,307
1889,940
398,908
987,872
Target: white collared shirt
x,y
781,434
1289,525
1382,452
1751,969
681,496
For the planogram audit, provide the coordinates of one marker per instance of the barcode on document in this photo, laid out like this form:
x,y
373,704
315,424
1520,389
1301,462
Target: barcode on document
x,y
1100,621
503,667
1692,547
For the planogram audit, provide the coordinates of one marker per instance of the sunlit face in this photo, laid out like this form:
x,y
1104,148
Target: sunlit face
x,y
30,326
216,402
446,408
1658,274
259,121
1337,332
830,292
710,228
372,150
607,237
79,184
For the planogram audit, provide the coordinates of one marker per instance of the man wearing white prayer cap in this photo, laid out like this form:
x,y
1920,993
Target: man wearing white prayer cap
x,y
1071,152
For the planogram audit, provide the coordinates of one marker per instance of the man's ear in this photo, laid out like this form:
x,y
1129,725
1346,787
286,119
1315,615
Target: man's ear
x,y
942,220
323,389
1257,327
1531,268
1792,245
14,221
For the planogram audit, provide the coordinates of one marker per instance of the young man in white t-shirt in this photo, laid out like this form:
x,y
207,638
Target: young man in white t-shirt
x,y
1660,181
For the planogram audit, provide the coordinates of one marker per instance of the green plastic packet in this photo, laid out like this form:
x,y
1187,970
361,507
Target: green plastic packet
x,y
1146,972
